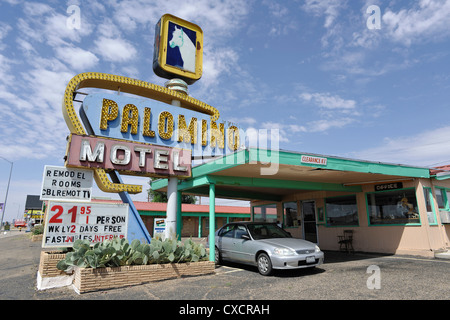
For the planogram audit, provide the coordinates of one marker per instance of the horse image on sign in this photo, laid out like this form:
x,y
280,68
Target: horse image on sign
x,y
178,49
181,38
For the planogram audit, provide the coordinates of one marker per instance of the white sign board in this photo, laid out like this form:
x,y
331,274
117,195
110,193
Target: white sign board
x,y
61,183
159,226
67,222
314,160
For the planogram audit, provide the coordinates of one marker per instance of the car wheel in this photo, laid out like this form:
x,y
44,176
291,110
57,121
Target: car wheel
x,y
217,257
264,264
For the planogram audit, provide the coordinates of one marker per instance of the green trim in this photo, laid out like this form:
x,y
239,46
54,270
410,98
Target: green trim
x,y
433,208
281,184
212,221
387,224
237,194
442,177
196,214
229,161
341,164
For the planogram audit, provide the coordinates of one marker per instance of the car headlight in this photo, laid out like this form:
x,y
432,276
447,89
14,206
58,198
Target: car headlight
x,y
283,252
317,249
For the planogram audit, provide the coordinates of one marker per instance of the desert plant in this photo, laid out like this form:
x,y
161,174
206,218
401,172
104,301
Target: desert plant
x,y
119,252
37,229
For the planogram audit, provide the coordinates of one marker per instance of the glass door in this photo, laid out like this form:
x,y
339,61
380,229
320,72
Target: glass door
x,y
309,221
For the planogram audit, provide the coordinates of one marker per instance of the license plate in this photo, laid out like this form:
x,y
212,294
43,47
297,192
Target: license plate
x,y
310,259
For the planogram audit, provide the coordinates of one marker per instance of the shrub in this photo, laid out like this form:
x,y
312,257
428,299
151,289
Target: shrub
x,y
37,229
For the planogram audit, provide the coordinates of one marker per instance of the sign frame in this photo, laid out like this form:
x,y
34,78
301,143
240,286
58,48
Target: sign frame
x,y
70,183
71,221
163,45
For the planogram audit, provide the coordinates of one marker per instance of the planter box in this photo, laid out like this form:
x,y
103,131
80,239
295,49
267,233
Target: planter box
x,y
89,279
48,276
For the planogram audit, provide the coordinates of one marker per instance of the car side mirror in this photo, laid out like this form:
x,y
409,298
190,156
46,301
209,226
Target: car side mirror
x,y
245,237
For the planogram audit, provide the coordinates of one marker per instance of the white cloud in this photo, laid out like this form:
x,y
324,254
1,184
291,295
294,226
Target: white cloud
x,y
325,124
77,58
216,63
328,101
115,50
423,149
328,8
427,20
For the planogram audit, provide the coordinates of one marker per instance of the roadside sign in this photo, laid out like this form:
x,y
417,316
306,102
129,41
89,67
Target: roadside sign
x,y
178,51
67,222
66,184
159,226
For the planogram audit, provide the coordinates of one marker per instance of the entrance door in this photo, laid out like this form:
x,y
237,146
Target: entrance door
x,y
309,221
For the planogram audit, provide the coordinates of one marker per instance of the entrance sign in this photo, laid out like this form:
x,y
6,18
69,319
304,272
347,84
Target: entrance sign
x,y
61,183
67,222
178,50
128,157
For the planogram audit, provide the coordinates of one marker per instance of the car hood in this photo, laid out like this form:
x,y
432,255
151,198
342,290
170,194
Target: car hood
x,y
291,243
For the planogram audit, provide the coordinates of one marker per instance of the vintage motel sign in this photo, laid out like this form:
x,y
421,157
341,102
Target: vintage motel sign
x,y
143,89
178,51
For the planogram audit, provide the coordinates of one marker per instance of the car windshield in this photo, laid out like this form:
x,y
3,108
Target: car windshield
x,y
267,231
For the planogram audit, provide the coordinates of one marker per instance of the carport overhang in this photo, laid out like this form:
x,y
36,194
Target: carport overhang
x,y
260,174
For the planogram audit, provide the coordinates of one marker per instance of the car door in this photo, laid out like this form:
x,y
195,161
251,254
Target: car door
x,y
241,247
225,241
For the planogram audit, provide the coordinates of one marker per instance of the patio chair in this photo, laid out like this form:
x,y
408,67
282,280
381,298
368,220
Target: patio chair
x,y
346,241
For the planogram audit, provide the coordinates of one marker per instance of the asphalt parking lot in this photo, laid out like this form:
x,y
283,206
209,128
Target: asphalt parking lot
x,y
358,276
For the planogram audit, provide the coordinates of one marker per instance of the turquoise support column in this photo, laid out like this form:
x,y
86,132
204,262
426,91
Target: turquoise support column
x,y
212,221
179,216
200,226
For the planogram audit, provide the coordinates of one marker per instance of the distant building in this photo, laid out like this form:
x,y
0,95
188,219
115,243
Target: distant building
x,y
33,209
195,222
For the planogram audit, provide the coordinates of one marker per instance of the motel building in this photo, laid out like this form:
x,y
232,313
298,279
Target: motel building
x,y
385,208
195,217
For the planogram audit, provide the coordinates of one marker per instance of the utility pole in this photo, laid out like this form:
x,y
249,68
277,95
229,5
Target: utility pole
x,y
7,189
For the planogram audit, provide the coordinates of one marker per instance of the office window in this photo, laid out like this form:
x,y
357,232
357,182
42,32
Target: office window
x,y
440,198
429,205
291,216
265,213
341,211
393,207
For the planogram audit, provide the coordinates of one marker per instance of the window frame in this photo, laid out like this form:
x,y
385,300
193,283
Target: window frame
x,y
433,207
265,205
298,215
341,225
391,224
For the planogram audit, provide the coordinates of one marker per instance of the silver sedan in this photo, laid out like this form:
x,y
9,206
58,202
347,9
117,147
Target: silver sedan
x,y
266,246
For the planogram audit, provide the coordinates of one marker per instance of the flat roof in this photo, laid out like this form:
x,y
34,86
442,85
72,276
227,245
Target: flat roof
x,y
262,174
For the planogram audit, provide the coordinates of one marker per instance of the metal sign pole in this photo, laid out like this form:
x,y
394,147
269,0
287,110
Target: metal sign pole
x,y
172,186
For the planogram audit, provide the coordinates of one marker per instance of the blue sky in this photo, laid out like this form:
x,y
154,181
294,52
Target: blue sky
x,y
312,69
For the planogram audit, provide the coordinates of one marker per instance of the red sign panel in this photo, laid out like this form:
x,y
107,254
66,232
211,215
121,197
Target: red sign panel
x,y
128,157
